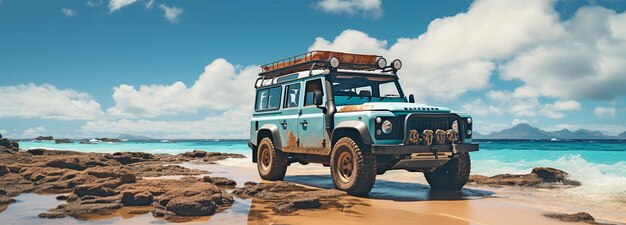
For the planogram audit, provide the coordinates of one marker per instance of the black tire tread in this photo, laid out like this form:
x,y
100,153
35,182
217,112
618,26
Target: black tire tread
x,y
366,167
459,170
279,163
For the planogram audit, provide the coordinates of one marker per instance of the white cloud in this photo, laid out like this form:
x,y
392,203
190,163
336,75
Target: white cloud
x,y
68,12
459,53
115,5
171,13
518,121
233,123
501,102
221,86
149,4
47,102
367,7
34,132
94,3
604,111
478,108
588,60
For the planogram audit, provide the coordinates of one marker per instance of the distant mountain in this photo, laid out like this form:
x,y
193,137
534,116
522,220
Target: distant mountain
x,y
525,131
519,131
133,137
622,135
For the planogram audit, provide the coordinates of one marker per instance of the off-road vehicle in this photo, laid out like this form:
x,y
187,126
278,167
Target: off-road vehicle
x,y
348,111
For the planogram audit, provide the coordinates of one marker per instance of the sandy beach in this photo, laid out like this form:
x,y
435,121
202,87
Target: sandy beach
x,y
398,197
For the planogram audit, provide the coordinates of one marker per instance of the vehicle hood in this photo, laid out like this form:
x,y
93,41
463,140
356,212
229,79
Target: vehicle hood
x,y
393,106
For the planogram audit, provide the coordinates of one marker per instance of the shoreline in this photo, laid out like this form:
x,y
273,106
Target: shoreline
x,y
403,195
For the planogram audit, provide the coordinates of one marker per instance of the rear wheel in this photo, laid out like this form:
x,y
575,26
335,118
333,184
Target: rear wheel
x,y
271,162
352,167
451,176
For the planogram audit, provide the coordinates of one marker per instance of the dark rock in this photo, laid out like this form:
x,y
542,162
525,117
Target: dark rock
x,y
108,139
548,174
219,181
9,144
62,141
198,153
576,217
3,192
51,215
126,158
539,177
4,170
137,199
68,163
292,205
199,205
94,189
36,151
62,197
44,138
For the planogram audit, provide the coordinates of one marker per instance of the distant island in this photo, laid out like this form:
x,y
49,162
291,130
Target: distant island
x,y
526,131
133,137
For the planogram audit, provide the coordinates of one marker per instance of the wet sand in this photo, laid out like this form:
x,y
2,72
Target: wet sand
x,y
392,201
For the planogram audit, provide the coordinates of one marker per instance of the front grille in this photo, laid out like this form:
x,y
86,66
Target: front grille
x,y
421,124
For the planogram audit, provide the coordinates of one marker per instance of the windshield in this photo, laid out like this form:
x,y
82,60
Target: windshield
x,y
358,89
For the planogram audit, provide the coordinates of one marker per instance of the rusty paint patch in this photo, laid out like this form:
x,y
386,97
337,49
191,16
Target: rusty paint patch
x,y
355,108
292,140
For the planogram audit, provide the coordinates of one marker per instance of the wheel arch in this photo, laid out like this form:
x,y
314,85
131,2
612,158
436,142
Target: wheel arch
x,y
353,127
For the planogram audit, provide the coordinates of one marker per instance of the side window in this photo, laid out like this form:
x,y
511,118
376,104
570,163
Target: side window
x,y
292,96
274,99
261,99
268,99
311,87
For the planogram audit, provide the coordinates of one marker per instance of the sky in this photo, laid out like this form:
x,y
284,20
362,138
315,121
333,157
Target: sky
x,y
185,69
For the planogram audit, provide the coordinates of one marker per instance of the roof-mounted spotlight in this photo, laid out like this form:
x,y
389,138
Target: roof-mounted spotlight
x,y
396,64
381,63
333,62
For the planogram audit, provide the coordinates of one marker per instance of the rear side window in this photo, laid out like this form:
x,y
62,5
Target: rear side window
x,y
292,96
268,99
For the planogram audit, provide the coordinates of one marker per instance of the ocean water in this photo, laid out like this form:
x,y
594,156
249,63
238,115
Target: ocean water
x,y
599,165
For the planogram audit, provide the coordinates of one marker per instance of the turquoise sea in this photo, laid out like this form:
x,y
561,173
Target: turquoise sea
x,y
599,164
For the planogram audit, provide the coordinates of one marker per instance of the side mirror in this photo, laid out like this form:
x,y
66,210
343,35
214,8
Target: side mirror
x,y
411,98
318,98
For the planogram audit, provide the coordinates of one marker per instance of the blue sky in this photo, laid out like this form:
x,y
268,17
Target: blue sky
x,y
100,68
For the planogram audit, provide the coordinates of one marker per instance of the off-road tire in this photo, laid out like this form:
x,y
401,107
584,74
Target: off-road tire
x,y
452,176
364,167
277,166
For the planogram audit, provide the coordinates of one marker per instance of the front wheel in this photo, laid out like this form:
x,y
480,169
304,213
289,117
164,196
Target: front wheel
x,y
271,162
452,176
352,167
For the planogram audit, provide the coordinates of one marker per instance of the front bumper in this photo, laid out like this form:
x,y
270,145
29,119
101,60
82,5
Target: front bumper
x,y
410,149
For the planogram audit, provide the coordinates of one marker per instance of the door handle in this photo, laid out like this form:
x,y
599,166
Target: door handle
x,y
304,123
284,123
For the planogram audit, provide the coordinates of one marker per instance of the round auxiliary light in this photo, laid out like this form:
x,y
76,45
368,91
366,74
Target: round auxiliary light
x,y
334,62
378,120
381,63
396,64
469,132
387,127
469,120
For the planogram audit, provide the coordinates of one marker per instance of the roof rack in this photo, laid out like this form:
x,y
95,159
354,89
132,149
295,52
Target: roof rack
x,y
318,60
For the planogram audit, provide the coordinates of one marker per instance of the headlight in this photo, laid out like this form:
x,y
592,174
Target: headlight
x,y
387,127
469,132
469,120
455,126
